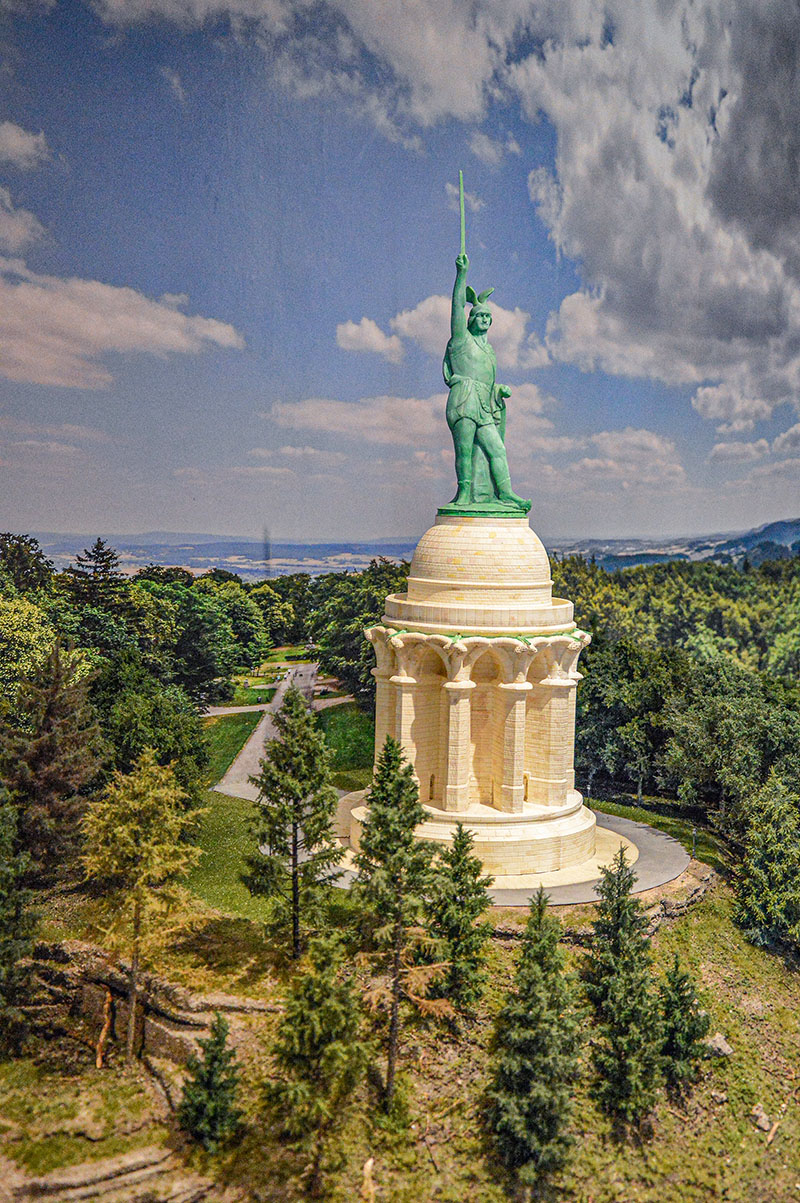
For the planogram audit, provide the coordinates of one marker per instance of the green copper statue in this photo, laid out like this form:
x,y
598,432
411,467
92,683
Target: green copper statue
x,y
476,407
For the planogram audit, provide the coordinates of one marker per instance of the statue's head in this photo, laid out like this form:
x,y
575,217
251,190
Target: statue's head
x,y
480,315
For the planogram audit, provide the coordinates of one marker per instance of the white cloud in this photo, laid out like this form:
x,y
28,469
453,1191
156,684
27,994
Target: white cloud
x,y
788,441
18,227
314,457
175,84
367,335
492,151
739,453
471,201
428,324
62,430
56,331
725,403
20,148
629,458
402,421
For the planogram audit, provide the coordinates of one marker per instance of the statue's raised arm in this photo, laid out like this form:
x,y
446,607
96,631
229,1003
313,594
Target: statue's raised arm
x,y
458,317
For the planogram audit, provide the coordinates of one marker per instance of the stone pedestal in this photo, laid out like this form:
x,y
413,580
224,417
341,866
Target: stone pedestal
x,y
476,676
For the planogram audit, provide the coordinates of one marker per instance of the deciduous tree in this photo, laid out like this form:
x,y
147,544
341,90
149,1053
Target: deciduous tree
x,y
134,843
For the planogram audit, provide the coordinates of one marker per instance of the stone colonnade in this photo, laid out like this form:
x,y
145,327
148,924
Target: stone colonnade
x,y
483,721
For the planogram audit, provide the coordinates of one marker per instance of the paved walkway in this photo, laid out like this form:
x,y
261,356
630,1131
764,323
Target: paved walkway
x,y
236,782
661,859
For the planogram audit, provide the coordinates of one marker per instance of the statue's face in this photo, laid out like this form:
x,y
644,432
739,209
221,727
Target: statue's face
x,y
480,322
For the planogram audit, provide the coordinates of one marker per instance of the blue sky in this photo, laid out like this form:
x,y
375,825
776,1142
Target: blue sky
x,y
227,235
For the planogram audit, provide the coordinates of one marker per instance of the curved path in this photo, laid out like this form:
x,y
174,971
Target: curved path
x,y
236,782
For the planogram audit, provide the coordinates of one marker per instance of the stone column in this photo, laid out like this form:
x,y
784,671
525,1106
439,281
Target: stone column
x,y
456,790
383,709
512,790
404,717
550,751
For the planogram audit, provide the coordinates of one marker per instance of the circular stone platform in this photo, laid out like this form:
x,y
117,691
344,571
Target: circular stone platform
x,y
657,858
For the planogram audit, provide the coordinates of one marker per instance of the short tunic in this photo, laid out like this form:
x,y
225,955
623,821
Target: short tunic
x,y
470,398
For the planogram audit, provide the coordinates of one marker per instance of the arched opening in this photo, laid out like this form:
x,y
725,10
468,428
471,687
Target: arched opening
x,y
547,746
428,733
486,736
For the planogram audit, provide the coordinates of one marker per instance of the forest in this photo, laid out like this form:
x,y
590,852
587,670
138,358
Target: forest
x,y
687,716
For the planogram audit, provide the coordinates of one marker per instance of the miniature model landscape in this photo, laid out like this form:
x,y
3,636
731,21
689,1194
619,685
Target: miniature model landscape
x,y
357,887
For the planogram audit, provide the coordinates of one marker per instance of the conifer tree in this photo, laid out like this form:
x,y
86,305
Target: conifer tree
x,y
135,843
684,1026
297,850
459,897
536,1047
17,925
619,984
50,749
319,1052
95,579
208,1110
768,880
393,876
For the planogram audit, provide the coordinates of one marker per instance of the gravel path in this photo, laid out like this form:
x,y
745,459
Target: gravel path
x,y
236,782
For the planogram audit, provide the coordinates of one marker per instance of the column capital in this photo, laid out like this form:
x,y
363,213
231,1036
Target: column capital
x,y
456,687
515,686
402,681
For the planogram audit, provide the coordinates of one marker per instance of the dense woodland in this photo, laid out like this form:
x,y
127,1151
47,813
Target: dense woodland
x,y
689,703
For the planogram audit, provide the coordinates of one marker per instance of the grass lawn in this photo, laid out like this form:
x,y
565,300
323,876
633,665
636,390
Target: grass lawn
x,y
226,841
226,735
351,734
292,651
253,694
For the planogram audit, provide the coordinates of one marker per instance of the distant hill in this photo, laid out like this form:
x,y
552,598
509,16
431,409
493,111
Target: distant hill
x,y
255,560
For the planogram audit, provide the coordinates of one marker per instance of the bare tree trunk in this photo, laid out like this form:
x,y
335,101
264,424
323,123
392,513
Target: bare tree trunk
x,y
295,897
134,990
394,1016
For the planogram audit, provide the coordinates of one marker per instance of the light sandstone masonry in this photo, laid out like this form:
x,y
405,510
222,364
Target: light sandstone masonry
x,y
476,677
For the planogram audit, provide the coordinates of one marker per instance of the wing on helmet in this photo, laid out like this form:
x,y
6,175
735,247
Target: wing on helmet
x,y
471,297
483,295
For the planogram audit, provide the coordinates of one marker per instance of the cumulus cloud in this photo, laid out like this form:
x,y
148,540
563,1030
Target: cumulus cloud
x,y
725,403
629,458
788,441
314,457
739,453
18,227
367,335
428,325
492,151
403,421
20,148
57,331
471,201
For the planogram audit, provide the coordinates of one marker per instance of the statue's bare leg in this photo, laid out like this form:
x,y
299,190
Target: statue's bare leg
x,y
464,433
489,440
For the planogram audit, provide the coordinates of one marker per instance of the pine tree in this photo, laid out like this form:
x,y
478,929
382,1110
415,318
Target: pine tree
x,y
768,880
393,876
50,749
319,1052
17,925
297,850
684,1026
135,844
536,1047
208,1110
95,579
459,897
619,984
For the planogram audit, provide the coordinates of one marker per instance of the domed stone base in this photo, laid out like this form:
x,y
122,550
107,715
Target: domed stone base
x,y
537,840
